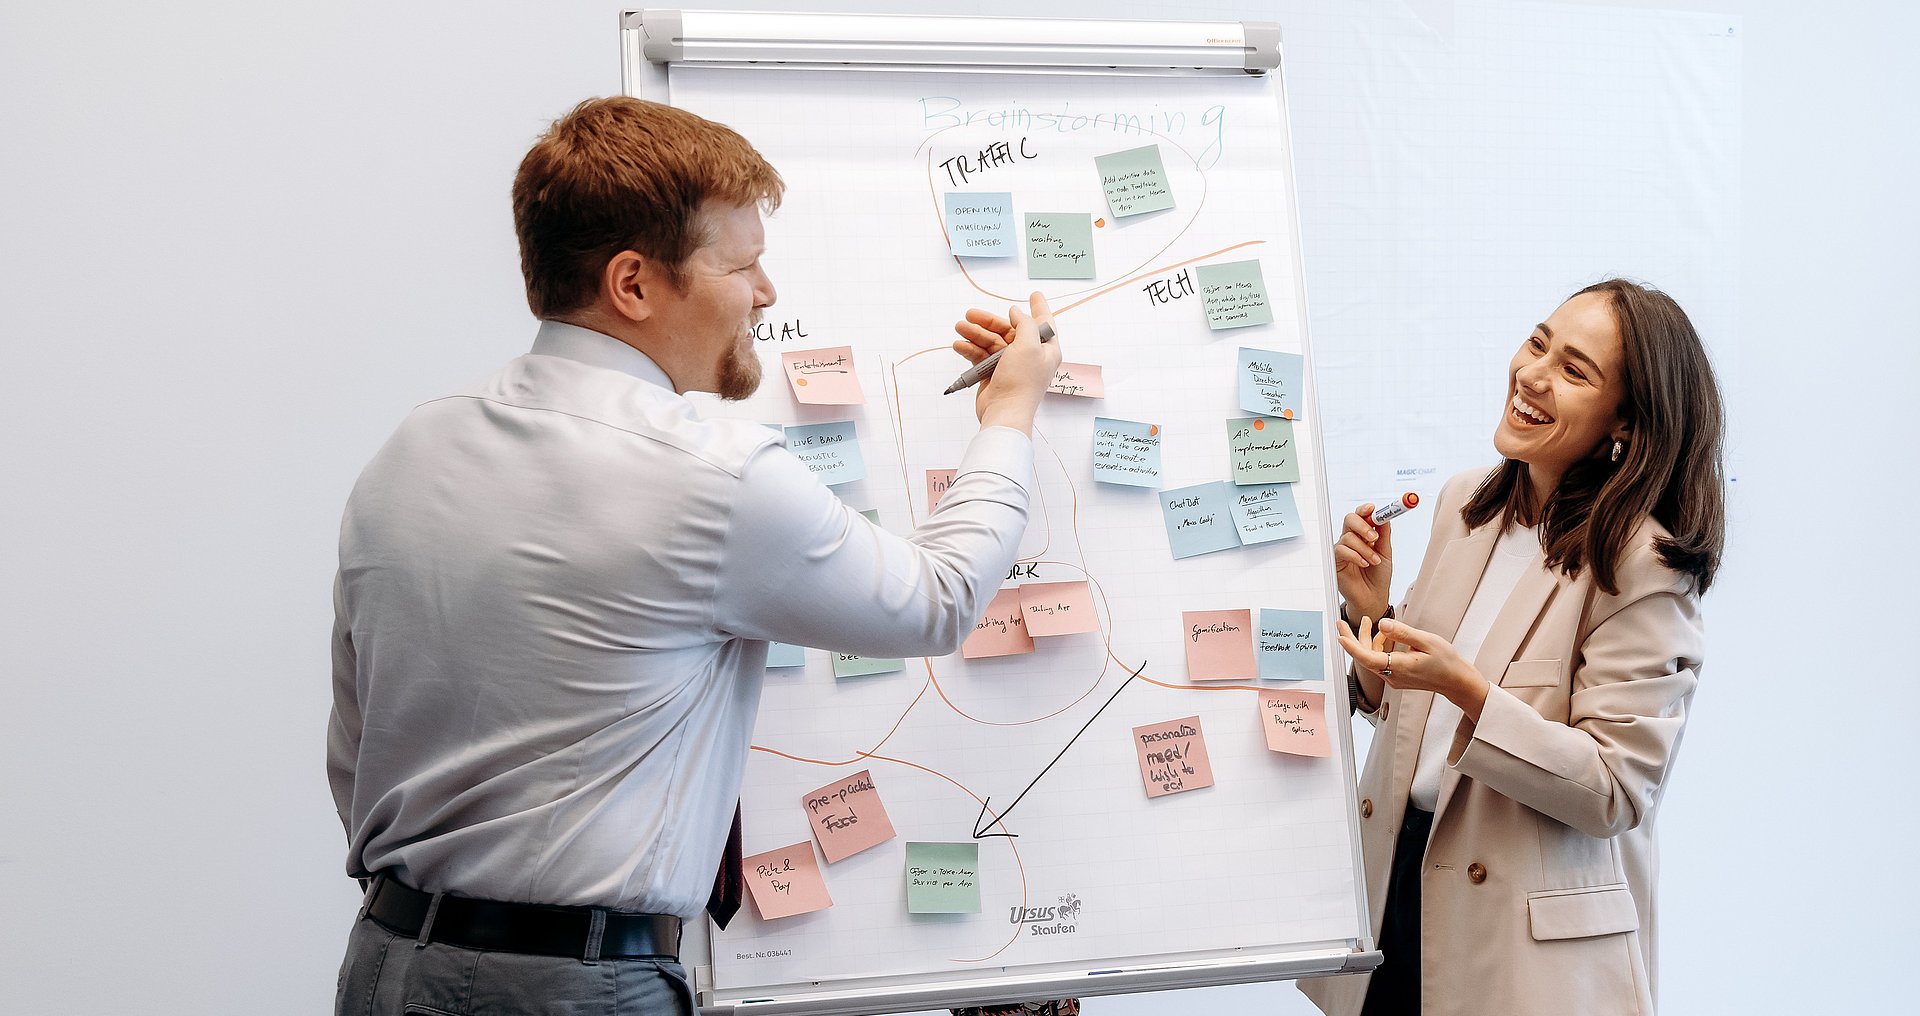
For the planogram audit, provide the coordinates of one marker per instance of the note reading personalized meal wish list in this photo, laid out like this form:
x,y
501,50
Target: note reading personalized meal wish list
x,y
823,377
1059,245
1234,295
1200,518
1219,645
980,224
1173,756
1135,181
786,882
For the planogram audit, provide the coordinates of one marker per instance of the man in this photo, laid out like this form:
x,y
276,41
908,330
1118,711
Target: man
x,y
556,590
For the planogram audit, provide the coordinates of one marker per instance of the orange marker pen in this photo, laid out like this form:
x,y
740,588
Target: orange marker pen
x,y
1389,512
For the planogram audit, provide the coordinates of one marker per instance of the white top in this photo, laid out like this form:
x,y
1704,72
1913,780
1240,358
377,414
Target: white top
x,y
552,613
1512,553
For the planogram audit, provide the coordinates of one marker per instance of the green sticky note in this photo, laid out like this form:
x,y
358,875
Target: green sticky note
x,y
1234,295
1059,245
860,666
943,878
872,515
1135,181
1262,450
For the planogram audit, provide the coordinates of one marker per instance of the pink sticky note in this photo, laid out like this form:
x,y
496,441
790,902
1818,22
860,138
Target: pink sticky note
x,y
1219,645
1002,630
847,816
938,480
823,377
1058,608
1296,722
787,881
1081,379
1173,756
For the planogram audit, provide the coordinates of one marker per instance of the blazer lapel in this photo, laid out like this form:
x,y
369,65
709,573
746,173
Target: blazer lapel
x,y
1439,611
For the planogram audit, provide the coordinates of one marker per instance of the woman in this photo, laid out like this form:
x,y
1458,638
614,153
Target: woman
x,y
1531,694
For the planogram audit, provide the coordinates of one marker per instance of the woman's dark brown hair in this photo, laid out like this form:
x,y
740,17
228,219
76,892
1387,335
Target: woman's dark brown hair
x,y
1669,468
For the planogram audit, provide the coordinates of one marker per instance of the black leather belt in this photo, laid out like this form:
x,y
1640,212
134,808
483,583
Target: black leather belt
x,y
521,927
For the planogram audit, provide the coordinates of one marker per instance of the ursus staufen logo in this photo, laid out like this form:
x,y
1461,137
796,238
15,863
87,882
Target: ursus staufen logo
x,y
1063,918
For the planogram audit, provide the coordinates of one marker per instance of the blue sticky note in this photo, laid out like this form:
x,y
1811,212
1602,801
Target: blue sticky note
x,y
1265,513
980,224
831,450
1200,518
1059,245
1271,383
1291,645
1234,295
780,654
1261,450
1126,452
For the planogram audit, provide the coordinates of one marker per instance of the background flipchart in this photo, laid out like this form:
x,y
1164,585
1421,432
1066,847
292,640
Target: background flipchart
x,y
1097,872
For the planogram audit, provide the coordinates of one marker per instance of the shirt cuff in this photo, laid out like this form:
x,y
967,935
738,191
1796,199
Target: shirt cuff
x,y
1000,450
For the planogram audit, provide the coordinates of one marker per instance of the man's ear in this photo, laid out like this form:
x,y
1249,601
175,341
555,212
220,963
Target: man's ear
x,y
625,284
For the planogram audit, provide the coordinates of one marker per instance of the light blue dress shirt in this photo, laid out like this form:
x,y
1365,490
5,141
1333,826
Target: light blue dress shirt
x,y
552,613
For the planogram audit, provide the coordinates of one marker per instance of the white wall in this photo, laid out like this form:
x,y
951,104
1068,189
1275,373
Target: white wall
x,y
240,240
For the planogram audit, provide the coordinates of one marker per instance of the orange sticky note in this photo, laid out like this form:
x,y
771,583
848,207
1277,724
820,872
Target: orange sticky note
x,y
1058,608
1219,645
823,377
1002,630
786,882
1173,756
1296,722
847,816
938,480
1081,379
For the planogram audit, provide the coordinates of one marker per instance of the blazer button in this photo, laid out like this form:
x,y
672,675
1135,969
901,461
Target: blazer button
x,y
1366,808
1476,873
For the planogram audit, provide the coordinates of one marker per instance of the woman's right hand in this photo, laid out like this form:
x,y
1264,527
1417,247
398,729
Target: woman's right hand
x,y
1363,564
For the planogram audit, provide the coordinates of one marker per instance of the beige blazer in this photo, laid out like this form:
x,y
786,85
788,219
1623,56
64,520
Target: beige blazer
x,y
1537,892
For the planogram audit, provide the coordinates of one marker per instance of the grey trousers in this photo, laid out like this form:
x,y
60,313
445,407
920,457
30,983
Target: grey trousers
x,y
391,975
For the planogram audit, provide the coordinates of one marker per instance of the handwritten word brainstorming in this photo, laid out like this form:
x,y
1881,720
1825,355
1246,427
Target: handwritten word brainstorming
x,y
786,882
943,878
1173,756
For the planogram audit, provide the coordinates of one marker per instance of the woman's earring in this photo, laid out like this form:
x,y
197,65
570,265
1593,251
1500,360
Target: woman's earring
x,y
1616,450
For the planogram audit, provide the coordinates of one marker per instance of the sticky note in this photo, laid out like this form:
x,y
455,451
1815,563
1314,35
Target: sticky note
x,y
1059,245
980,224
1058,608
1200,518
871,515
860,666
823,377
1081,379
786,882
1234,295
1265,514
847,816
938,480
780,654
1292,644
1001,631
1296,722
1271,383
1135,181
1173,756
1260,449
943,878
1219,645
1126,452
830,450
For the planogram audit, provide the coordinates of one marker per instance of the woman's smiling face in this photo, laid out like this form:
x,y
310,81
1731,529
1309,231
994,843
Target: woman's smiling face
x,y
1564,389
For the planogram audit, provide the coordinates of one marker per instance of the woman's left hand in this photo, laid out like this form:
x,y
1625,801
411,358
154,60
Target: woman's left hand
x,y
1413,660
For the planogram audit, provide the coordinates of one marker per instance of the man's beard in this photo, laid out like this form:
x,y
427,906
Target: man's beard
x,y
739,372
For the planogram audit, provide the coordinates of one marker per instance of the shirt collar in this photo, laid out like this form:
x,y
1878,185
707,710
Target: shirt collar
x,y
597,349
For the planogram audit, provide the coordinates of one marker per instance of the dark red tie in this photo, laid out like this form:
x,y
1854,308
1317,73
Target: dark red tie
x,y
725,901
